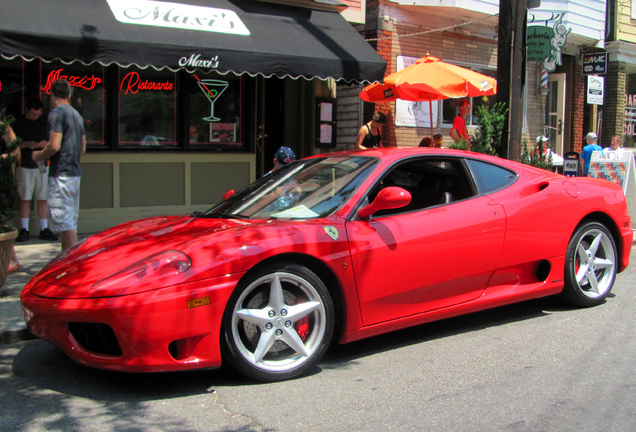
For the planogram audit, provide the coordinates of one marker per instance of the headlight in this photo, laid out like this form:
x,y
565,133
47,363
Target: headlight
x,y
156,271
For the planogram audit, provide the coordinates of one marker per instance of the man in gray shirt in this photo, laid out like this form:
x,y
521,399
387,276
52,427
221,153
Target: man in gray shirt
x,y
67,141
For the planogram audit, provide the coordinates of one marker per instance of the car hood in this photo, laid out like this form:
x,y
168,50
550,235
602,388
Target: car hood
x,y
72,274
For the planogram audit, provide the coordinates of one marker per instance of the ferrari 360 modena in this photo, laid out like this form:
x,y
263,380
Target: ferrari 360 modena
x,y
330,249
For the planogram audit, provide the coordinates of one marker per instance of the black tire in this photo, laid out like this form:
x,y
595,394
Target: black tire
x,y
278,323
590,265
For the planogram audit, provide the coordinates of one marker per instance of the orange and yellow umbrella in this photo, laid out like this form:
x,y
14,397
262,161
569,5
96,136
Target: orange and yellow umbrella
x,y
430,79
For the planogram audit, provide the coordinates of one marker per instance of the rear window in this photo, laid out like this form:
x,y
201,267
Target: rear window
x,y
490,178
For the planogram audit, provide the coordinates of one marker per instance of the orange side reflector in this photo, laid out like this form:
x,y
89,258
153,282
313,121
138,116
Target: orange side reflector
x,y
198,302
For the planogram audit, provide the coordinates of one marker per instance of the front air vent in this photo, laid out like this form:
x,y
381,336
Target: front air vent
x,y
95,337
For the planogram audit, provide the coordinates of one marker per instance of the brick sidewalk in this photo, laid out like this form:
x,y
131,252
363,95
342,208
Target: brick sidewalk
x,y
33,256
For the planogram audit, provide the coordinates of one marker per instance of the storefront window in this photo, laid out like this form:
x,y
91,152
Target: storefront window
x,y
629,123
147,115
135,109
87,95
11,87
214,110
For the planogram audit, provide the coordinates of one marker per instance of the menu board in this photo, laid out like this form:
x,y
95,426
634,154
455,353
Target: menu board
x,y
618,170
325,122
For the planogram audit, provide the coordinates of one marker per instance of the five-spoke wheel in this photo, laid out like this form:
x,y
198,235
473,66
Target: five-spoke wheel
x,y
590,265
278,323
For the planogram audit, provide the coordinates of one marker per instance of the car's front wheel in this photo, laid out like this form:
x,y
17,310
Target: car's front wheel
x,y
590,265
278,323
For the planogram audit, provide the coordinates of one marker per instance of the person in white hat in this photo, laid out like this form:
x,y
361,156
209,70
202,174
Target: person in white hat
x,y
550,156
586,154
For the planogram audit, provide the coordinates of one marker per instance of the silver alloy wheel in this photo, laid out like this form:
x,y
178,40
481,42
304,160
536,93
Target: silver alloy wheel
x,y
590,265
595,263
279,322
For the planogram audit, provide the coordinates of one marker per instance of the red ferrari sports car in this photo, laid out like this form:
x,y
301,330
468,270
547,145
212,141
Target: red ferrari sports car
x,y
338,247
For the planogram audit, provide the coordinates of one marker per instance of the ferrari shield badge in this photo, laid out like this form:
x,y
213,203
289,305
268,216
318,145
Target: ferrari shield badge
x,y
331,232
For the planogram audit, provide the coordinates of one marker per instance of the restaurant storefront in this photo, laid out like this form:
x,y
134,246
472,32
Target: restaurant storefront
x,y
182,101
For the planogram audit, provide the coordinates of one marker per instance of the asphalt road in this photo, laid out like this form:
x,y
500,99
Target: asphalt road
x,y
535,366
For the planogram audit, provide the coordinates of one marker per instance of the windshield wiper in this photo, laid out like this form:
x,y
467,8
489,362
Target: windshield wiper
x,y
231,216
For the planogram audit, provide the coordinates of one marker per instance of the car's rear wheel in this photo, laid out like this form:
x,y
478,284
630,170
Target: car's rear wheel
x,y
278,323
590,265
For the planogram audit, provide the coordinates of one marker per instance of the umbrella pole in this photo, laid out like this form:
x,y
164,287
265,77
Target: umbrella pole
x,y
430,111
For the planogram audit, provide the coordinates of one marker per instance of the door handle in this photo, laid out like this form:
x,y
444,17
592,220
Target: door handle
x,y
260,134
559,126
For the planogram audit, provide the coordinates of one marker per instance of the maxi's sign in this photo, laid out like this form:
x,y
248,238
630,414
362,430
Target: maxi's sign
x,y
177,15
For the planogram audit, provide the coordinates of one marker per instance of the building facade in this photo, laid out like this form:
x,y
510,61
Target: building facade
x,y
183,100
620,110
465,33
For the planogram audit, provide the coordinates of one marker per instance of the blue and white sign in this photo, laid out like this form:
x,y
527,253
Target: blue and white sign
x,y
595,85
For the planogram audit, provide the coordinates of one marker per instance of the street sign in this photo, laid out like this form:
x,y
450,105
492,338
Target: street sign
x,y
595,85
595,63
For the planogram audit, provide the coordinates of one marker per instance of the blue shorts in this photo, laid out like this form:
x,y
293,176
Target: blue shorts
x,y
63,203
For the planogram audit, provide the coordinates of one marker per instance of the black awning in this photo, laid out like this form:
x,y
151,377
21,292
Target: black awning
x,y
238,36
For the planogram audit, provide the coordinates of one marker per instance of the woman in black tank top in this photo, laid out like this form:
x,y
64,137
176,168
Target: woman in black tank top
x,y
369,135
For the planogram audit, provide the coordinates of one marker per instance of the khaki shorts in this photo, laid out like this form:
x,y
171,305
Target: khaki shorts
x,y
32,184
63,203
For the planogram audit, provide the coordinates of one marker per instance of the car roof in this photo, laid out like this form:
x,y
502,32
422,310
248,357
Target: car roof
x,y
391,154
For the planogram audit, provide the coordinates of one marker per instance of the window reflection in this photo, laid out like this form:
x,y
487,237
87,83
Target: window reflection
x,y
87,95
11,88
147,108
214,110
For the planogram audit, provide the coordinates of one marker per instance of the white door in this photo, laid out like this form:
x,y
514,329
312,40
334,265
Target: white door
x,y
555,110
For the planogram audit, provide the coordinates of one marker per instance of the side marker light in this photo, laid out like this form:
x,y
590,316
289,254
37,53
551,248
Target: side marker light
x,y
203,301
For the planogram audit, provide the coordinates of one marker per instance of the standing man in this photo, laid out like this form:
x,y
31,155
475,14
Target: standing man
x,y
32,181
586,154
459,130
615,151
67,141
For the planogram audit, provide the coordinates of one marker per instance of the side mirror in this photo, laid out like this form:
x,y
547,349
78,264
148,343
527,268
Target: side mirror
x,y
388,198
228,194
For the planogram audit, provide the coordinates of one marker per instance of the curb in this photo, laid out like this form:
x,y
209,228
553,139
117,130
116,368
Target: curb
x,y
16,335
13,329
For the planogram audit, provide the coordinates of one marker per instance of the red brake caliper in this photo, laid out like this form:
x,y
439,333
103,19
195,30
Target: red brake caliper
x,y
302,325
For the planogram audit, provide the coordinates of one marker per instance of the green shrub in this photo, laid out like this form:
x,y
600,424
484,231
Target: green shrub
x,y
8,187
491,122
462,145
535,156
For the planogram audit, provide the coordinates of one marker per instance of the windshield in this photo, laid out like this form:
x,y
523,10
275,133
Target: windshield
x,y
306,189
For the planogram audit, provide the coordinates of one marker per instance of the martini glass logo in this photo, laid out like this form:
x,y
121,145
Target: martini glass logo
x,y
212,89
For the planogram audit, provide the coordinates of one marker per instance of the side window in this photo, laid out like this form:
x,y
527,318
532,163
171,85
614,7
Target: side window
x,y
431,181
490,178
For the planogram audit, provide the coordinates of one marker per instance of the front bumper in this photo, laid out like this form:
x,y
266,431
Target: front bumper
x,y
168,329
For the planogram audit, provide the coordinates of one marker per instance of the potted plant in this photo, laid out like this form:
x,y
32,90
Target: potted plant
x,y
8,192
539,156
